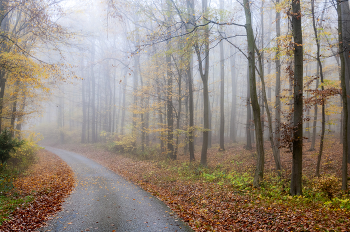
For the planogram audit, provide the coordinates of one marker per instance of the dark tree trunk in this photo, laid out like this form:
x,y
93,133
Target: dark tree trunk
x,y
191,109
170,119
296,179
314,126
278,82
233,128
344,46
222,90
322,87
249,115
259,173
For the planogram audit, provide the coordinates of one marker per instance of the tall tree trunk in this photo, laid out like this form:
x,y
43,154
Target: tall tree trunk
x,y
278,80
344,47
259,173
296,179
20,117
14,108
222,89
204,72
322,87
124,103
191,109
135,81
314,126
3,48
249,114
275,152
93,89
83,92
143,128
170,119
308,108
233,127
178,112
262,64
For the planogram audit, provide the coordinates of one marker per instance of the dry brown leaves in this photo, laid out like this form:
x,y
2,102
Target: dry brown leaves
x,y
50,180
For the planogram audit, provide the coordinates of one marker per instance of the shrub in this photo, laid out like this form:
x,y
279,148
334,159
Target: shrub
x,y
329,185
7,145
124,144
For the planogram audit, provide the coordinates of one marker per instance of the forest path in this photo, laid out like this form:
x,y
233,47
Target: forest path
x,y
104,201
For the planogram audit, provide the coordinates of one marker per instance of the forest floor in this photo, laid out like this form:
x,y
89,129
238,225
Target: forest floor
x,y
37,194
221,197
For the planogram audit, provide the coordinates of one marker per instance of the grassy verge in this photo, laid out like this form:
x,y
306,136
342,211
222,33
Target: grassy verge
x,y
221,197
36,194
10,171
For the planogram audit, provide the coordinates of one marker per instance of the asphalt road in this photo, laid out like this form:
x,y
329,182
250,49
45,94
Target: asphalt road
x,y
104,201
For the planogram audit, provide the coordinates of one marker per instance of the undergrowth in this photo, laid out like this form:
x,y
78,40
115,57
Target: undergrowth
x,y
16,165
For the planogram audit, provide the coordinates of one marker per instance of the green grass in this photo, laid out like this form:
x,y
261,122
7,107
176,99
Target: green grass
x,y
10,203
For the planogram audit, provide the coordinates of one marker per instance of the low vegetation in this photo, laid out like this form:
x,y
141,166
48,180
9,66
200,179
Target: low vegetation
x,y
32,188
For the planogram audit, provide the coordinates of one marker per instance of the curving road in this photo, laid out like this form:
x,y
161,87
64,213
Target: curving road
x,y
104,201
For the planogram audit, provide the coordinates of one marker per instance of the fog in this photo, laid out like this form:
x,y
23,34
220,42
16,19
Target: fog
x,y
140,71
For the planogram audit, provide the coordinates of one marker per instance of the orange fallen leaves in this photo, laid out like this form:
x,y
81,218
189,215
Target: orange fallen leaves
x,y
50,180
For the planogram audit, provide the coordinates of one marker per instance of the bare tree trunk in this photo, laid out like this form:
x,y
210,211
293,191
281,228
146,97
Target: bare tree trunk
x,y
322,87
259,173
262,64
20,117
191,109
93,116
308,108
314,126
296,179
233,127
222,90
344,42
249,114
83,92
170,119
124,103
275,152
278,81
204,72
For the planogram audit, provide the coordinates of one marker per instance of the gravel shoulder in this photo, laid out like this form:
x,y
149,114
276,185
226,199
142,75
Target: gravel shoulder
x,y
104,201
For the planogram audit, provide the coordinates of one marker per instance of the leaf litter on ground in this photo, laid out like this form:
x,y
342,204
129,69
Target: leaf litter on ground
x,y
49,181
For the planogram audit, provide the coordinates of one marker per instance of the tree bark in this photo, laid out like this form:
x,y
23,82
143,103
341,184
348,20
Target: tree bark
x,y
249,115
278,81
222,90
296,179
344,78
259,173
233,127
275,152
322,87
170,119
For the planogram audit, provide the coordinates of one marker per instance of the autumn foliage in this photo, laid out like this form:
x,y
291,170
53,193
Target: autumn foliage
x,y
49,180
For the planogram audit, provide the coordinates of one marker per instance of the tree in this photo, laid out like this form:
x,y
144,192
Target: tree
x,y
297,162
344,77
222,89
259,173
318,55
278,79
